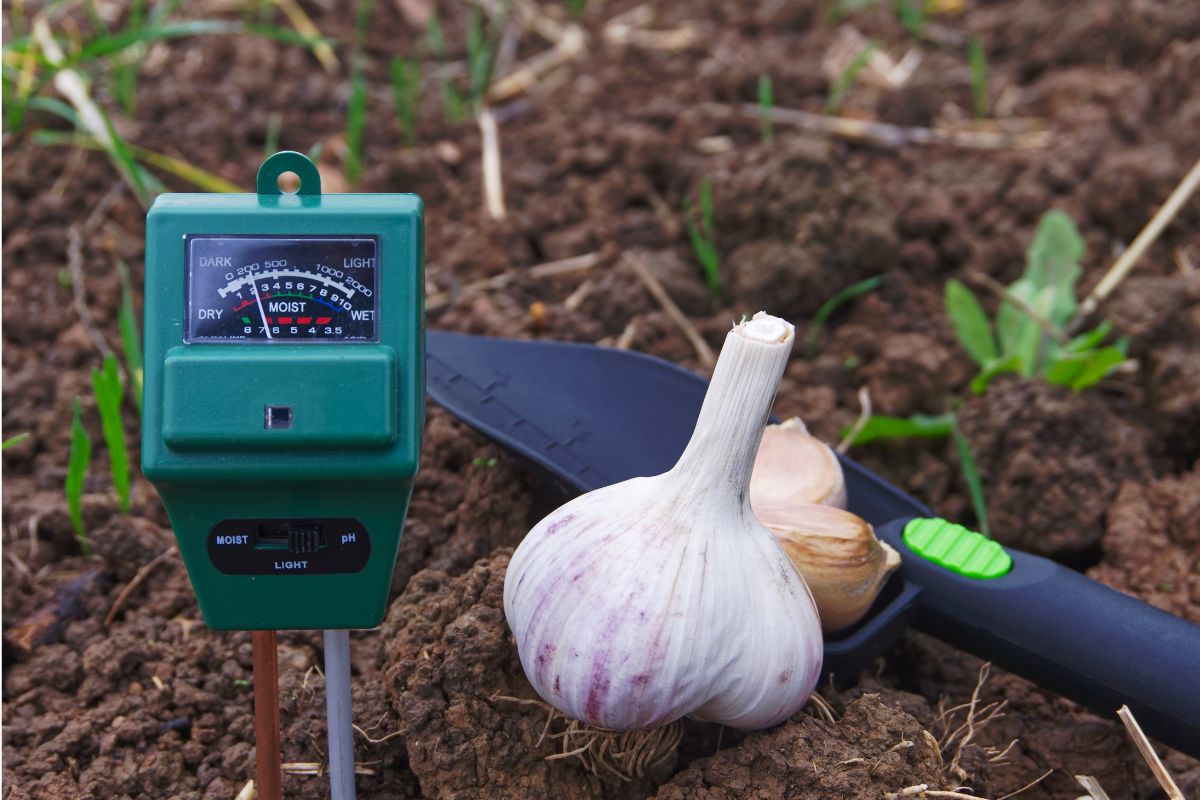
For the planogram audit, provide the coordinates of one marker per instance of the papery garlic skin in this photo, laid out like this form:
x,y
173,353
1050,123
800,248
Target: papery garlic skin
x,y
837,552
793,466
655,598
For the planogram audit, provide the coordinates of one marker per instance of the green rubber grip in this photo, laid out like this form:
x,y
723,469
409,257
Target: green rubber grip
x,y
956,548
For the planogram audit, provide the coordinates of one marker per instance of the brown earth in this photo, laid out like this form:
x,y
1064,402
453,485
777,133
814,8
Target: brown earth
x,y
598,157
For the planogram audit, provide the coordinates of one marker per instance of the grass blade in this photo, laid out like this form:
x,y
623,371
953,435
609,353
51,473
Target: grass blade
x,y
924,426
766,101
356,112
13,441
131,340
700,232
970,473
971,324
845,82
406,92
77,465
106,384
977,60
827,308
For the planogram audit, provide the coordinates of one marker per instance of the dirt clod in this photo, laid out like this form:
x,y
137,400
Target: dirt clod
x,y
1051,462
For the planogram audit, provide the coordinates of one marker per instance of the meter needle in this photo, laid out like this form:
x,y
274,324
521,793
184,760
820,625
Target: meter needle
x,y
261,313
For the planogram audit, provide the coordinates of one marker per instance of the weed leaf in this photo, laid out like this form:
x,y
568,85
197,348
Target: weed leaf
x,y
77,465
970,474
839,299
106,384
970,323
918,425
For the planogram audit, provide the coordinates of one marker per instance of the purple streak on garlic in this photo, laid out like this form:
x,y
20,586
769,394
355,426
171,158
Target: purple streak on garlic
x,y
655,598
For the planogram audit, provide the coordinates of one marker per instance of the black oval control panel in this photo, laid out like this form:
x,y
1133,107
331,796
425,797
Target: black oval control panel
x,y
321,546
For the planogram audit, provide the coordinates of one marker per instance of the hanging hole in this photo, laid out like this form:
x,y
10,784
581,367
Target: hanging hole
x,y
288,182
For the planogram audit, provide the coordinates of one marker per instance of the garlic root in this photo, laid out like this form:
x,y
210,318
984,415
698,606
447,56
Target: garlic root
x,y
842,561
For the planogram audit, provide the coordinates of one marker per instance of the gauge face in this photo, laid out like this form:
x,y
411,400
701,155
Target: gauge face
x,y
293,289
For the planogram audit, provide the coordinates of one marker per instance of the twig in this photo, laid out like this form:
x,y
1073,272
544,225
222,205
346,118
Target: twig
x,y
1000,290
864,416
1143,744
1092,787
1029,785
493,185
625,340
823,708
703,351
1183,262
248,792
137,581
1128,259
883,134
529,71
562,268
315,768
305,27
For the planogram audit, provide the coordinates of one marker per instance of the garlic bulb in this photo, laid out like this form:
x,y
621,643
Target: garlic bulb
x,y
793,466
655,598
842,562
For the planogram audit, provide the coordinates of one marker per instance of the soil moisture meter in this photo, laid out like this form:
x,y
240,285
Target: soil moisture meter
x,y
284,394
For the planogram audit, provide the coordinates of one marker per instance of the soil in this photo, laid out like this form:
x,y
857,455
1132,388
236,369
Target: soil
x,y
598,157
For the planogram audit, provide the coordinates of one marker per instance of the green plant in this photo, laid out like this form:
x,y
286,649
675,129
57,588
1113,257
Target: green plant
x,y
13,441
766,102
485,463
1028,336
106,384
977,60
912,16
452,102
479,57
970,473
703,235
131,340
576,7
846,81
40,64
356,111
406,89
77,466
833,304
918,426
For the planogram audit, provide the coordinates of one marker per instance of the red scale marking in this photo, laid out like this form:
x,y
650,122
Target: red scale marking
x,y
303,320
323,320
285,320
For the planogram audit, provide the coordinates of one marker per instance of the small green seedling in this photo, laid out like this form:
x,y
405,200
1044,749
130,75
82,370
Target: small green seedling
x,y
356,112
13,441
833,304
485,463
77,466
703,235
912,16
918,426
1028,336
970,473
109,391
979,77
479,57
406,90
131,340
766,102
845,82
452,102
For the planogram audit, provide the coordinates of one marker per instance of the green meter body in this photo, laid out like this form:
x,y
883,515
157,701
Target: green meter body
x,y
284,394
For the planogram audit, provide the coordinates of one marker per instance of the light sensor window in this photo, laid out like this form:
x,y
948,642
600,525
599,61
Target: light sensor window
x,y
277,417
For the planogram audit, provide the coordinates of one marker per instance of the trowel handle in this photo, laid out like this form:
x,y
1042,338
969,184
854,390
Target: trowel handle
x,y
1063,631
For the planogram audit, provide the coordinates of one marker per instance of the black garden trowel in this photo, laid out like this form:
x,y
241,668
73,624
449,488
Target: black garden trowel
x,y
588,416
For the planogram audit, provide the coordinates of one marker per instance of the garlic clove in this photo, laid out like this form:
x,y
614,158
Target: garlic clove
x,y
842,561
793,467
